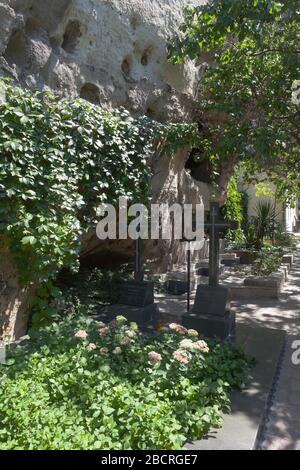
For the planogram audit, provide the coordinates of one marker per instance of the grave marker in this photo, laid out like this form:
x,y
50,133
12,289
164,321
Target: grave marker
x,y
211,314
136,301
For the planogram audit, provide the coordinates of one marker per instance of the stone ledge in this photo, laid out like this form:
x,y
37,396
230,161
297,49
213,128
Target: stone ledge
x,y
257,287
289,258
268,281
238,292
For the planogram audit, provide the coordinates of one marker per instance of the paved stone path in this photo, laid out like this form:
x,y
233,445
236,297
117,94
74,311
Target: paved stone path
x,y
282,430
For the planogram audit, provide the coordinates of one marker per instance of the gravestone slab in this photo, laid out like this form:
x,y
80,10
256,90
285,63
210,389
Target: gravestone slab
x,y
136,304
246,256
228,255
203,268
177,286
177,282
268,281
137,293
211,327
211,315
211,300
143,316
229,262
287,266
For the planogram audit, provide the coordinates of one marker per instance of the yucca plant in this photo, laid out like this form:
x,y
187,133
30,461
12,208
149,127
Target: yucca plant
x,y
264,222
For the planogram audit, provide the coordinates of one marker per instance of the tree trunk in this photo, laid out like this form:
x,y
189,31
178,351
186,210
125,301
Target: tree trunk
x,y
226,172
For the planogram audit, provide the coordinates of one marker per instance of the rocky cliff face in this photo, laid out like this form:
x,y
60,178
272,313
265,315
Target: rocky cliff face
x,y
112,53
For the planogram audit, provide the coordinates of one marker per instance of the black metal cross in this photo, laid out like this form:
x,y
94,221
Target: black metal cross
x,y
215,226
138,260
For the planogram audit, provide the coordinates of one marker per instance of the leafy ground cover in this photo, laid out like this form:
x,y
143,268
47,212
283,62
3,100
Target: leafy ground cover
x,y
81,384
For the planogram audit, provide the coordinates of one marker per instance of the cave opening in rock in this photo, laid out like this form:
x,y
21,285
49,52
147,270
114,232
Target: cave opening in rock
x,y
200,170
91,93
144,60
146,56
15,53
150,113
156,110
71,36
32,27
126,66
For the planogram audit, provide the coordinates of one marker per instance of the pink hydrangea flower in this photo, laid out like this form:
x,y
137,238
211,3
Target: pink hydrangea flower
x,y
91,347
103,331
81,334
131,333
134,326
154,357
104,350
201,346
101,324
178,328
187,344
117,350
193,333
181,356
125,341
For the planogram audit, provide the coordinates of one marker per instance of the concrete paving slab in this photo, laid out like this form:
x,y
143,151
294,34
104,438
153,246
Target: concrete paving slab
x,y
243,425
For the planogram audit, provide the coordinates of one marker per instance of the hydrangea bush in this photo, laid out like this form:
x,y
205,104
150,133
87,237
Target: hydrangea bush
x,y
82,384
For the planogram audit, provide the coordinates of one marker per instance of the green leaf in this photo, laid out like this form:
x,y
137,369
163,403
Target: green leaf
x,y
29,240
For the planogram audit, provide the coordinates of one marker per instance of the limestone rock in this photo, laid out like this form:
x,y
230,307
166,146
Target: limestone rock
x,y
14,299
8,17
117,47
112,53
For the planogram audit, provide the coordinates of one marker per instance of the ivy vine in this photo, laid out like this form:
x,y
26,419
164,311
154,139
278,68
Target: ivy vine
x,y
59,160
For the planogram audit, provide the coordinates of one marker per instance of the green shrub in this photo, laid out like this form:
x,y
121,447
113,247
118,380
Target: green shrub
x,y
60,391
92,287
267,262
284,239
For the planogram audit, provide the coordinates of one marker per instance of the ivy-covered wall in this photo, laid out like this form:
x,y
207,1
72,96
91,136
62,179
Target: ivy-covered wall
x,y
59,160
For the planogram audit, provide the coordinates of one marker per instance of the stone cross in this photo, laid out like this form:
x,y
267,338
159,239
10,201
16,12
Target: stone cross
x,y
215,226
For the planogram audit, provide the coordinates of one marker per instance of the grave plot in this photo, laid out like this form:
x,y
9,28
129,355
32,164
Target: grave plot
x,y
250,282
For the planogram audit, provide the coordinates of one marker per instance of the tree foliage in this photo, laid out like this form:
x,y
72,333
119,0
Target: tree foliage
x,y
233,209
245,101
